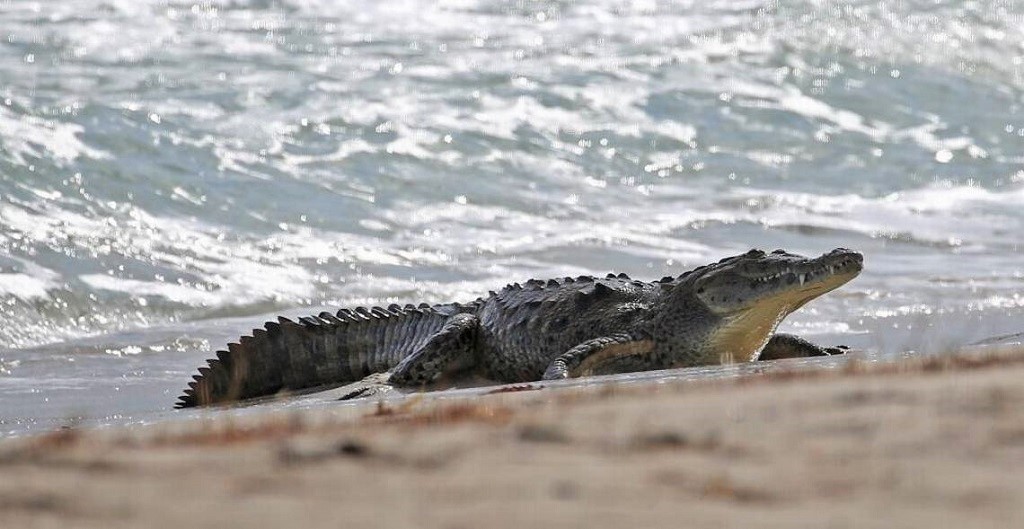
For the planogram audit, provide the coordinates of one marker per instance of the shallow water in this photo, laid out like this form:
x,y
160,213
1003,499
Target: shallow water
x,y
173,173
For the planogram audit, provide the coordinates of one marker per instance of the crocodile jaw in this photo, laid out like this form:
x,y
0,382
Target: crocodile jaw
x,y
743,332
742,336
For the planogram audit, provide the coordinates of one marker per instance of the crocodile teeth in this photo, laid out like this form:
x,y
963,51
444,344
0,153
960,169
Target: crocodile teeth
x,y
801,278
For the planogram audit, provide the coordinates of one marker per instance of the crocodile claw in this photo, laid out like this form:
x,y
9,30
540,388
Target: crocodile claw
x,y
375,385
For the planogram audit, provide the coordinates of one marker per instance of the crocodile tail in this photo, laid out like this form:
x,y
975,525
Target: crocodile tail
x,y
314,351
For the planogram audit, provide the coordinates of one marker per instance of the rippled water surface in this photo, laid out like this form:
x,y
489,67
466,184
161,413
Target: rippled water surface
x,y
172,173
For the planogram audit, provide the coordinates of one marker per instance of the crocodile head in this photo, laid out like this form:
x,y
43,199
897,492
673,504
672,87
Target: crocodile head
x,y
751,294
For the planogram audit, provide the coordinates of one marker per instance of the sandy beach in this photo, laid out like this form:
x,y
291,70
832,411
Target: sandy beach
x,y
922,443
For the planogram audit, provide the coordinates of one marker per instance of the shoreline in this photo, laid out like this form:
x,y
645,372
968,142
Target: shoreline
x,y
931,440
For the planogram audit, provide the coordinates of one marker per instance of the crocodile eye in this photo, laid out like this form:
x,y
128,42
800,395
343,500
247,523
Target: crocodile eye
x,y
755,253
780,251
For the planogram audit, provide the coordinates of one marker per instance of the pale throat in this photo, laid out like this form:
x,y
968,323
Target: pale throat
x,y
743,335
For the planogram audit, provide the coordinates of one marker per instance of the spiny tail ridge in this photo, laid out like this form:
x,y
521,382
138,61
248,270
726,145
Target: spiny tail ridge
x,y
313,351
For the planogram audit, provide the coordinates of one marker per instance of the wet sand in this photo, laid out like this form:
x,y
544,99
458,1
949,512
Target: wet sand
x,y
921,443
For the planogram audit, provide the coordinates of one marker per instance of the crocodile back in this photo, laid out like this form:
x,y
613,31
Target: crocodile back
x,y
525,327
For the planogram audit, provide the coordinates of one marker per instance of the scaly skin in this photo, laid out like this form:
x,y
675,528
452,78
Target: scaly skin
x,y
726,311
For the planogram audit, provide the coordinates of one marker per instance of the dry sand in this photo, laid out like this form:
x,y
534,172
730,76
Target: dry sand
x,y
932,443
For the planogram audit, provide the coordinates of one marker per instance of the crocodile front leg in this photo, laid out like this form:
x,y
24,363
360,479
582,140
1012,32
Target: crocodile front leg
x,y
790,346
590,356
450,348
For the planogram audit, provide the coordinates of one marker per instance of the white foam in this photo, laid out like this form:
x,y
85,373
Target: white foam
x,y
31,136
24,286
229,273
967,216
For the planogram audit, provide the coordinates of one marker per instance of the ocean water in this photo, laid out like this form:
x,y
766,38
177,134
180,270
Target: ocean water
x,y
174,173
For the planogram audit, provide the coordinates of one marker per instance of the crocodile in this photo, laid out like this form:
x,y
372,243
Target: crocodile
x,y
540,330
